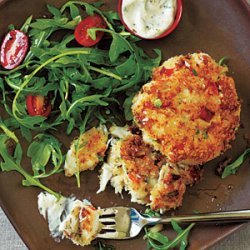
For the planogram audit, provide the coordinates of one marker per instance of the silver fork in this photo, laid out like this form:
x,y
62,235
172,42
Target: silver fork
x,y
126,223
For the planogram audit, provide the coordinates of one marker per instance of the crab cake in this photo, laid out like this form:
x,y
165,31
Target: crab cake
x,y
132,165
190,110
81,224
91,146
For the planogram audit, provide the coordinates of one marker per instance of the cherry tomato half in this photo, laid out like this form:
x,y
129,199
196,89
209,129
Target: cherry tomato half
x,y
81,30
38,105
13,49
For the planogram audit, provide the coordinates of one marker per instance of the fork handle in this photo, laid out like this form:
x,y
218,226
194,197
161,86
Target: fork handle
x,y
222,217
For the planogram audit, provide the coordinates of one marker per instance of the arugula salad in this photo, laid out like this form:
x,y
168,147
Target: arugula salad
x,y
66,78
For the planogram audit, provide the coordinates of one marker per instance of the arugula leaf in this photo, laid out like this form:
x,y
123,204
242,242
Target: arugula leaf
x,y
112,16
127,107
9,133
11,27
158,241
56,24
86,101
151,213
127,68
54,11
105,72
74,11
100,245
26,133
26,25
234,166
12,163
41,150
90,10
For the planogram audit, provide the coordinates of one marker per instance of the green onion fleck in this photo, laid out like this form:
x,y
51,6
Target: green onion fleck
x,y
197,131
157,103
100,158
205,135
222,61
194,72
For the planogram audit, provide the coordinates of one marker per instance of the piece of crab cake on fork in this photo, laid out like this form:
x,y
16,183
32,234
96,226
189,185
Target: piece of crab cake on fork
x,y
190,111
131,165
86,151
70,218
82,223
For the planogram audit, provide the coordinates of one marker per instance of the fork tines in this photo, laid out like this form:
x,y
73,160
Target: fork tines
x,y
107,218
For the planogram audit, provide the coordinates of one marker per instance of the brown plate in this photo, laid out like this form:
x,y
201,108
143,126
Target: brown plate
x,y
220,28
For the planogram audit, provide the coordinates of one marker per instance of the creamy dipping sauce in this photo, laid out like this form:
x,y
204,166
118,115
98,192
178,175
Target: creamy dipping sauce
x,y
148,18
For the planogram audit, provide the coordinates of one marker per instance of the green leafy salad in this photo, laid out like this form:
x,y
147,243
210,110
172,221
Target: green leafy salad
x,y
83,85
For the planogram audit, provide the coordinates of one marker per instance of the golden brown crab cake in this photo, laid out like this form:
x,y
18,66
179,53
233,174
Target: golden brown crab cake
x,y
142,166
190,110
91,146
168,192
82,223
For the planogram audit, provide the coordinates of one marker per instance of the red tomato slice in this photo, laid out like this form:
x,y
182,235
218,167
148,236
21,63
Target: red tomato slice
x,y
38,105
13,49
81,30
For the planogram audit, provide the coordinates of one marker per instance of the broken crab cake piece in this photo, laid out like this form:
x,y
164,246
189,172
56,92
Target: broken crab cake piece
x,y
190,174
190,111
91,146
142,166
70,218
132,165
112,170
169,191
